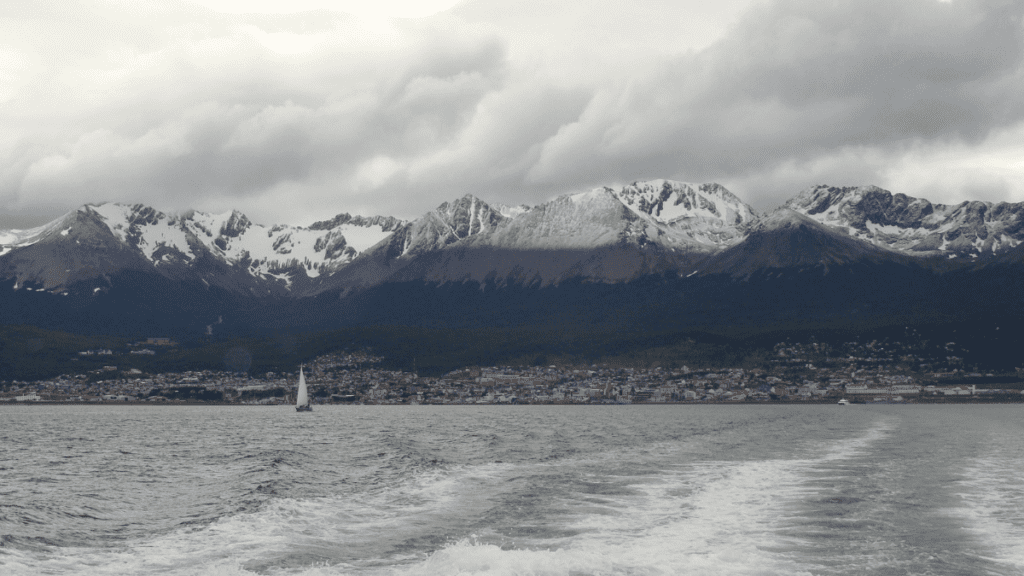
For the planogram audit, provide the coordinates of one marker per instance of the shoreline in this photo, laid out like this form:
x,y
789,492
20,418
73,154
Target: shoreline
x,y
941,401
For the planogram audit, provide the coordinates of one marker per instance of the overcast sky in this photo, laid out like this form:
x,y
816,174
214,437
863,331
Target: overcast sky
x,y
296,110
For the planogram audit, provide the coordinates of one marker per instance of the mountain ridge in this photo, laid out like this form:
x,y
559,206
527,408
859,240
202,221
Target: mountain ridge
x,y
682,221
908,224
649,253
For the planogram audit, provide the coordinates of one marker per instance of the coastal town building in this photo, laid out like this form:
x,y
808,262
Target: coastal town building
x,y
861,372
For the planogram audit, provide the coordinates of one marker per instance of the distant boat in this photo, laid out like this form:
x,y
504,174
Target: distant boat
x,y
302,398
844,402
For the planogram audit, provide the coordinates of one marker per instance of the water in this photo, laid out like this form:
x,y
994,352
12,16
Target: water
x,y
538,490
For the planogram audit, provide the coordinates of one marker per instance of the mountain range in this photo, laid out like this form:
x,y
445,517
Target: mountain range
x,y
653,255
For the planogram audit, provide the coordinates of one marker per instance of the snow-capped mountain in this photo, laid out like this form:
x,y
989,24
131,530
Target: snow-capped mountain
x,y
176,244
577,221
701,217
70,249
914,225
706,213
590,236
231,236
449,223
606,234
788,240
108,267
644,227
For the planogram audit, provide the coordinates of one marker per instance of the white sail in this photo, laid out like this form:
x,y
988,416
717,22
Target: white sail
x,y
302,398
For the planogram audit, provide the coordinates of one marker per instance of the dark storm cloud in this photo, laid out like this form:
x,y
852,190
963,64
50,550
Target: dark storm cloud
x,y
796,80
294,118
244,143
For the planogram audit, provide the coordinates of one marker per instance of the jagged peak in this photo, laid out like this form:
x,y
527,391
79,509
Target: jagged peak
x,y
466,201
820,197
914,225
236,224
468,216
387,223
665,185
669,201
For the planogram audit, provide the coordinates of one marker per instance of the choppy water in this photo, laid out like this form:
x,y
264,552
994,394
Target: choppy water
x,y
625,490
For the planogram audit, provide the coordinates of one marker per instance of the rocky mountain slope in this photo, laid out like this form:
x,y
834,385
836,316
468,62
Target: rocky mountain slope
x,y
707,214
788,240
605,235
219,249
915,225
650,253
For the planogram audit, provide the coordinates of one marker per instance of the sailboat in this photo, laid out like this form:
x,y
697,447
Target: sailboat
x,y
302,398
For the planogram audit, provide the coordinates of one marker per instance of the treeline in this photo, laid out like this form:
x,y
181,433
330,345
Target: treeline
x,y
28,353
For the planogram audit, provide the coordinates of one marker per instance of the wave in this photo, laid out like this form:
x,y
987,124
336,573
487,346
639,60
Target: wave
x,y
614,514
992,498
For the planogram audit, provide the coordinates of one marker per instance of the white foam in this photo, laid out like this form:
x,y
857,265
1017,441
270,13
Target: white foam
x,y
708,517
993,498
317,527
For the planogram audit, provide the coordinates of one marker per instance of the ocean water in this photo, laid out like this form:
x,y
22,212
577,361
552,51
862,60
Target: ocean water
x,y
512,490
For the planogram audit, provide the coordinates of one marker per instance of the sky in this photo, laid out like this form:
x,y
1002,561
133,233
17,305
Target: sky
x,y
293,111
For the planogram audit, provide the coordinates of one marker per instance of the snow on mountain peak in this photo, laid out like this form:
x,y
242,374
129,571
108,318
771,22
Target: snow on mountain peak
x,y
509,211
700,216
236,240
914,225
153,233
468,216
235,225
667,221
670,202
448,223
671,214
11,239
575,221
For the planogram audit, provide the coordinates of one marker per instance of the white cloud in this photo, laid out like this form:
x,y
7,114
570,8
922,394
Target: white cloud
x,y
177,105
376,172
798,84
992,170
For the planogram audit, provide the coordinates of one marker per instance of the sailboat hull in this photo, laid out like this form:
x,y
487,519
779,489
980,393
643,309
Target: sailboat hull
x,y
306,408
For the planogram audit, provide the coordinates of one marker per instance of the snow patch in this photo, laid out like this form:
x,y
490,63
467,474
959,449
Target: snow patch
x,y
286,278
893,230
511,211
704,214
11,239
907,230
236,240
